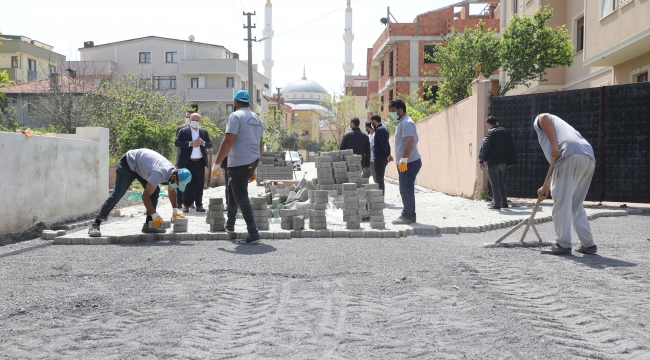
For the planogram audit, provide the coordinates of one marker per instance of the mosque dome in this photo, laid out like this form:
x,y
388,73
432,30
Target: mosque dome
x,y
303,85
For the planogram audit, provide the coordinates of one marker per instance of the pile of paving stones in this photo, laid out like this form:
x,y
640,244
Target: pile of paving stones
x,y
180,225
274,167
318,200
214,216
376,207
261,212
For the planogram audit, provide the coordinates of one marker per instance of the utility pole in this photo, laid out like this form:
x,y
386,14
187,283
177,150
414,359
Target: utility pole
x,y
250,59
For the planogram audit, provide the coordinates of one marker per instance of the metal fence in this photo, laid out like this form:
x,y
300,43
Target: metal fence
x,y
614,119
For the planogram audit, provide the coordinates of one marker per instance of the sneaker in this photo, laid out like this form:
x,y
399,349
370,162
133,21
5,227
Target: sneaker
x,y
186,209
494,207
230,229
250,240
93,230
587,250
504,206
557,250
146,229
403,221
200,209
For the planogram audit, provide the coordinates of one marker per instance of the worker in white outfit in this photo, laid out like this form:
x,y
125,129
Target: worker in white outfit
x,y
574,168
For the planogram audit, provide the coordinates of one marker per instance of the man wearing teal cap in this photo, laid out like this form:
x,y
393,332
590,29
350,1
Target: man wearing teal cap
x,y
150,169
243,145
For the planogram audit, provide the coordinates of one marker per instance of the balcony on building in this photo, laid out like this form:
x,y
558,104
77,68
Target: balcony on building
x,y
222,66
87,68
32,75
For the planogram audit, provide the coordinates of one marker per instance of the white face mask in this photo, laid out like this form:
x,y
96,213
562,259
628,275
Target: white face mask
x,y
187,121
393,114
194,124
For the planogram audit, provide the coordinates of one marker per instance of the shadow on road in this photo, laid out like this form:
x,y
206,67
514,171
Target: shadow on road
x,y
256,249
159,243
600,262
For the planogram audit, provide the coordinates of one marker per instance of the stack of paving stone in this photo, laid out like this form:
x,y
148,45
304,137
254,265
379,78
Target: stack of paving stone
x,y
180,225
318,200
363,202
351,206
292,219
376,207
354,169
260,212
215,217
274,167
165,225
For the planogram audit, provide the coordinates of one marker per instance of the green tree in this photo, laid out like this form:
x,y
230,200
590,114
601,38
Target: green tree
x,y
143,133
4,83
8,119
462,58
343,107
122,98
291,140
274,131
329,145
529,47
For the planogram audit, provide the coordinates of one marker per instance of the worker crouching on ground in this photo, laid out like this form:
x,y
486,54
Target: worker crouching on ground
x,y
144,164
243,146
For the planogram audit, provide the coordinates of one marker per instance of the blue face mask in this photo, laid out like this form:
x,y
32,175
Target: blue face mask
x,y
173,185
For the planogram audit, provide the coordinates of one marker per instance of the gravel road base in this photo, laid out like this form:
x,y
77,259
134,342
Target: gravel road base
x,y
332,298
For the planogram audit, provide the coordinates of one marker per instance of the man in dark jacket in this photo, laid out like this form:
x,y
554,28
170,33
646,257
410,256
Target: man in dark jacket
x,y
358,142
192,142
499,153
381,150
179,194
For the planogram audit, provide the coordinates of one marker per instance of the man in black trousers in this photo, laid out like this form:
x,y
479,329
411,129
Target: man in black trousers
x,y
381,151
499,153
179,194
193,142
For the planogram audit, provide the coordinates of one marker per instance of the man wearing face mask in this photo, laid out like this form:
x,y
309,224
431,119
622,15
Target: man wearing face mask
x,y
179,194
381,151
406,149
150,169
243,146
193,142
370,129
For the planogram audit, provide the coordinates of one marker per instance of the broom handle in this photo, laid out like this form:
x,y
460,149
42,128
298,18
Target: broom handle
x,y
531,220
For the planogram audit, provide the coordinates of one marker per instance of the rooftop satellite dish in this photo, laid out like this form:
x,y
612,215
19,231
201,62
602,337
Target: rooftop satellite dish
x,y
191,37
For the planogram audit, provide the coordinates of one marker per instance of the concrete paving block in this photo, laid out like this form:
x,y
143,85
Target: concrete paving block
x,y
217,227
341,233
266,235
376,206
371,186
258,200
428,231
319,213
373,234
390,234
48,235
281,235
215,214
263,226
450,230
259,206
378,224
220,207
147,237
318,219
351,218
375,212
170,237
221,236
471,229
352,225
351,200
61,241
318,207
356,233
217,221
97,241
286,226
376,218
262,213
180,221
186,237
324,233
308,233
216,201
317,225
409,231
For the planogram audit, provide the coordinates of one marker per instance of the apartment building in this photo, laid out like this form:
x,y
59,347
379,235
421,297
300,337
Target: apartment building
x,y
397,64
26,60
611,40
205,75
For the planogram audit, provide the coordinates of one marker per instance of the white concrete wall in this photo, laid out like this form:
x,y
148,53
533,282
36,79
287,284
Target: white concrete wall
x,y
51,179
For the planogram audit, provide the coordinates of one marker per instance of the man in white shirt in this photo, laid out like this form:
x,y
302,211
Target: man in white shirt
x,y
193,142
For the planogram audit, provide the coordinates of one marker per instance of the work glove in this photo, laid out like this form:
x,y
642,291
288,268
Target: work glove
x,y
215,170
177,214
402,166
253,177
157,220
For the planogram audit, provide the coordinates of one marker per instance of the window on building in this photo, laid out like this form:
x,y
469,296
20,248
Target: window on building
x,y
243,85
145,57
430,93
31,65
428,53
382,102
580,34
164,82
227,55
195,107
515,6
381,65
52,69
608,7
642,77
390,95
32,109
229,108
194,83
257,95
230,82
14,61
171,57
390,64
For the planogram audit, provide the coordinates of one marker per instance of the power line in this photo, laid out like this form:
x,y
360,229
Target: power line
x,y
311,21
